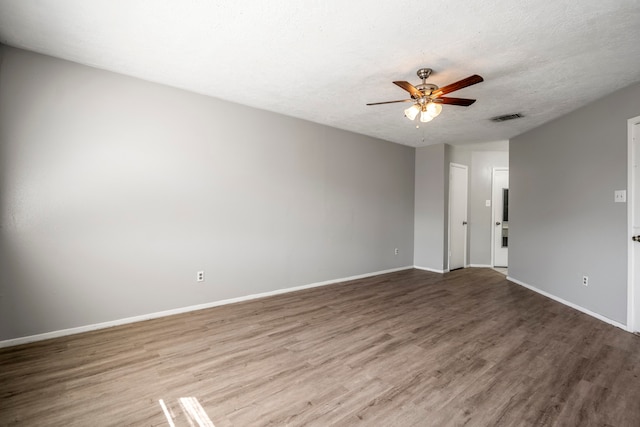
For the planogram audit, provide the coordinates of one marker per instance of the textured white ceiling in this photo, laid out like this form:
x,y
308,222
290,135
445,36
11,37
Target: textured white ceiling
x,y
323,60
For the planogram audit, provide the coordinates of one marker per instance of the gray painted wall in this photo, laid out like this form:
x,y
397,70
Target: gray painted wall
x,y
115,191
563,221
430,236
445,231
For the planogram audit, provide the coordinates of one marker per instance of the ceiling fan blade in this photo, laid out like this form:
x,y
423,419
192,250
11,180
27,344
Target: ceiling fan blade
x,y
392,102
471,80
415,93
464,102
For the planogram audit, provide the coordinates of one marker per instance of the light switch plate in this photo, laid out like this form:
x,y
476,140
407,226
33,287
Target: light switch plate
x,y
620,196
487,203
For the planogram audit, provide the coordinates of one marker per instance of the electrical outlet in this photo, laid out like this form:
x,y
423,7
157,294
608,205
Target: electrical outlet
x,y
395,251
200,276
585,280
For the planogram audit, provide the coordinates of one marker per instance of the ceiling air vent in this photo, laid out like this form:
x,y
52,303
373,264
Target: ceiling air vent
x,y
507,117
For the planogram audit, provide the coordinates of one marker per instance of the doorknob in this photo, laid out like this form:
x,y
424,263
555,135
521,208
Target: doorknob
x,y
464,222
636,238
498,223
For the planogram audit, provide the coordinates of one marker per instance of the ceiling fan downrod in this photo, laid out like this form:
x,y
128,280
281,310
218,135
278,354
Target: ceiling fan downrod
x,y
425,88
424,73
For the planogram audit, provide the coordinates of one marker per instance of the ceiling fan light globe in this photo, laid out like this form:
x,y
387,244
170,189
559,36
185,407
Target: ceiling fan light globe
x,y
425,117
434,109
412,112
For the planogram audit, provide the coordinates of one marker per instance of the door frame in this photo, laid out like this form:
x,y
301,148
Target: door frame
x,y
631,270
466,215
493,215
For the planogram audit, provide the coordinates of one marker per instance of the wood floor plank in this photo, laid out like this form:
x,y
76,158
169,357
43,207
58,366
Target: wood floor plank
x,y
401,349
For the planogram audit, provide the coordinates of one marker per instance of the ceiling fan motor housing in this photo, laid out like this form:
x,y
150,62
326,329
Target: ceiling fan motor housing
x,y
426,88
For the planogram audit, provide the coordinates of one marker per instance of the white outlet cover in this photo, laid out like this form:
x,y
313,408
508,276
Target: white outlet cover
x,y
620,196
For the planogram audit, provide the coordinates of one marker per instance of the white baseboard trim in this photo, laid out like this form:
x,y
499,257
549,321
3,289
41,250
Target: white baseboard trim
x,y
149,316
480,266
433,270
570,304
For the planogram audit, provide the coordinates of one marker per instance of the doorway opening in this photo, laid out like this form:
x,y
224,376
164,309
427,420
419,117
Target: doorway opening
x,y
500,218
633,224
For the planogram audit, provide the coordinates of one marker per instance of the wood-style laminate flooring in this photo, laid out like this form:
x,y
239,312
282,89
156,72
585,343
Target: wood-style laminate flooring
x,y
410,348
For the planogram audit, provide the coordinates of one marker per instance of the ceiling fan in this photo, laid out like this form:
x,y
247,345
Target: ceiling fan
x,y
427,98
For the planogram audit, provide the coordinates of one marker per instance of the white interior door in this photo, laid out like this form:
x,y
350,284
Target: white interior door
x,y
457,216
633,321
500,202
